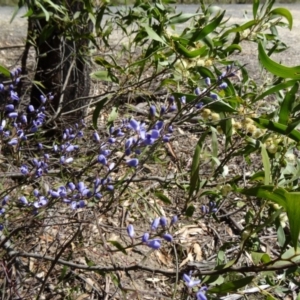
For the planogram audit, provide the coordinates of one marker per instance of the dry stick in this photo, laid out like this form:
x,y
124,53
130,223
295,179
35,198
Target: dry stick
x,y
245,269
61,99
56,259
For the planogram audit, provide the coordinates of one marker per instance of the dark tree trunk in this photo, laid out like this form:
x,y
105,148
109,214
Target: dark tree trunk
x,y
62,63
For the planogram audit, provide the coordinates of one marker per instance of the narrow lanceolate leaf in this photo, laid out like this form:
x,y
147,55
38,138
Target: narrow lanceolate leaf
x,y
266,164
194,177
118,246
276,68
255,6
293,213
153,35
278,128
283,12
287,104
182,18
277,195
276,88
231,286
187,53
199,35
163,197
97,111
4,71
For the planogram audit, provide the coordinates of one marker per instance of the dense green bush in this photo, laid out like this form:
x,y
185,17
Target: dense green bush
x,y
182,183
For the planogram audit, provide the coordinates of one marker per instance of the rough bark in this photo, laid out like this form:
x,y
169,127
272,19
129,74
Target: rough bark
x,y
62,63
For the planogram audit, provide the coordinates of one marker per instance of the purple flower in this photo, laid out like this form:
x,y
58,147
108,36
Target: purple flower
x,y
152,110
154,244
13,142
43,99
162,111
130,231
102,159
54,194
24,170
174,220
213,96
2,211
155,224
111,140
14,96
5,200
9,108
23,200
110,188
13,115
159,125
163,221
98,196
132,162
172,108
171,100
96,137
223,86
183,99
135,125
168,237
71,186
207,81
197,91
145,237
200,295
204,209
41,202
199,105
189,281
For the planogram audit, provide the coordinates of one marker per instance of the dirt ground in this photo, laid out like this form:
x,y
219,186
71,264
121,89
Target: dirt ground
x,y
13,34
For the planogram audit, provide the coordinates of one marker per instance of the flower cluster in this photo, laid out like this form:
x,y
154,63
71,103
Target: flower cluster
x,y
17,124
190,283
210,208
136,135
155,242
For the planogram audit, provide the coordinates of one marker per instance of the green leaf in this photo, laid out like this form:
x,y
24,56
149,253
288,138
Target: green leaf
x,y
4,71
284,13
97,111
255,6
278,128
112,116
46,13
153,35
190,211
101,75
287,104
276,88
269,192
194,177
293,213
259,257
276,68
240,28
163,197
200,34
189,54
181,18
231,286
266,164
218,106
118,246
280,235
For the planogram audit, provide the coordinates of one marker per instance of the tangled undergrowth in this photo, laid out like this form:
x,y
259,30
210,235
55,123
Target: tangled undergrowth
x,y
192,194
